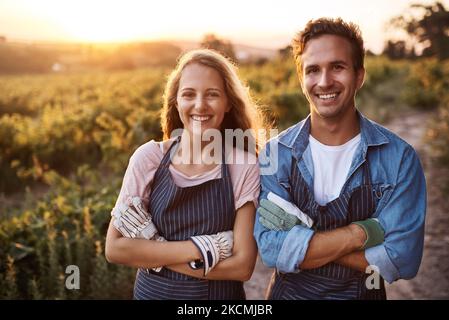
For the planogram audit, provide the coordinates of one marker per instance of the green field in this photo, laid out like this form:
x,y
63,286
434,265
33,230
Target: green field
x,y
65,140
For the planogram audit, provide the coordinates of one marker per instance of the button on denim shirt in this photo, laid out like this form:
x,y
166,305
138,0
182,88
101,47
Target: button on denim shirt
x,y
399,189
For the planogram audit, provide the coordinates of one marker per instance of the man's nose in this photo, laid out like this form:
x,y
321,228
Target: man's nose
x,y
325,79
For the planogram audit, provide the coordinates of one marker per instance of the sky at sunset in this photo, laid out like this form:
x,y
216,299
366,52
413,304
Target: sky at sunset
x,y
259,23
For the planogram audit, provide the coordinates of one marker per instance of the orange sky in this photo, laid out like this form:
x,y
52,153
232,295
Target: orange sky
x,y
261,23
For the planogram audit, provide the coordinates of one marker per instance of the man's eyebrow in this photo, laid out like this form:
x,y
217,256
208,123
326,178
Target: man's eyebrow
x,y
339,62
310,66
333,63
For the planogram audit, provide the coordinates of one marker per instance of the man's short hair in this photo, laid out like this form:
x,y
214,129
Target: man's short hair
x,y
329,26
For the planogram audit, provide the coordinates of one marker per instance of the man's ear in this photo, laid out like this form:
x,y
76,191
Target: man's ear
x,y
301,78
360,77
301,82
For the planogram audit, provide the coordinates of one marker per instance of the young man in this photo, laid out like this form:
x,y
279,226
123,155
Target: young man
x,y
360,188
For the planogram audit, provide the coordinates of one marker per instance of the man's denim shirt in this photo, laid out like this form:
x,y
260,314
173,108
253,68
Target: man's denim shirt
x,y
400,194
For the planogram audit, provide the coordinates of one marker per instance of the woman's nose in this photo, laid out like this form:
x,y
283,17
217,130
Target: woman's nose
x,y
200,103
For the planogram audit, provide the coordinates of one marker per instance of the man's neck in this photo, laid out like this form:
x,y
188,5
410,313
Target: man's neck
x,y
335,131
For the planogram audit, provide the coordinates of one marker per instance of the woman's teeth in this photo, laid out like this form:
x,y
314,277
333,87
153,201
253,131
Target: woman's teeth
x,y
200,118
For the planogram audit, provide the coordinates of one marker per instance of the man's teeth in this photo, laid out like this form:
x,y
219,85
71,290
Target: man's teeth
x,y
200,118
327,96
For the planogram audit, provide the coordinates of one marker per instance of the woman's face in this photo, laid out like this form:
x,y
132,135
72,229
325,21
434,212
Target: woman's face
x,y
201,99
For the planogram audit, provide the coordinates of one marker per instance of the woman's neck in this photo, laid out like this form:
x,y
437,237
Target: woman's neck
x,y
193,150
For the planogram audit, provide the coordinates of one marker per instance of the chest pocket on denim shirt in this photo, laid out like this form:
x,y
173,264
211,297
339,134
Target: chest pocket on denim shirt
x,y
285,184
381,194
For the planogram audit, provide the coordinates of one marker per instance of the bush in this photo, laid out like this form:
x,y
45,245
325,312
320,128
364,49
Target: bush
x,y
438,134
59,123
426,84
67,228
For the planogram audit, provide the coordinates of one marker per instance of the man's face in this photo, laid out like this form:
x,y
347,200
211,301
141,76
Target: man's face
x,y
329,79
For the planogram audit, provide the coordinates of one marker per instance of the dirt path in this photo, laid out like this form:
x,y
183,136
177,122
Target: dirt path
x,y
432,281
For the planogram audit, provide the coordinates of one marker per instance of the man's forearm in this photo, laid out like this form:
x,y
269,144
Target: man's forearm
x,y
325,247
355,260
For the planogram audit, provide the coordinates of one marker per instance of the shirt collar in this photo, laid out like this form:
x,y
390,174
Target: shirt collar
x,y
297,137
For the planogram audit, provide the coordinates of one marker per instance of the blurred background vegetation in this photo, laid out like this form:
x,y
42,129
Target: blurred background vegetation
x,y
71,116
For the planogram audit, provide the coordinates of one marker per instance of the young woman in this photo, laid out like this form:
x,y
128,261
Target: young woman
x,y
203,211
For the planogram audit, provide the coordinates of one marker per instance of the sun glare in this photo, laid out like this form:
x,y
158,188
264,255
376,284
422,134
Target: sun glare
x,y
267,23
106,21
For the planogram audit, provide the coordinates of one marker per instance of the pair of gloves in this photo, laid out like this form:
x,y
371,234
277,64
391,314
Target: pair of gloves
x,y
133,221
278,214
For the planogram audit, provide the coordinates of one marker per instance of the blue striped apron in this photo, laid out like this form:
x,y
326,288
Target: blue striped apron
x,y
178,214
331,281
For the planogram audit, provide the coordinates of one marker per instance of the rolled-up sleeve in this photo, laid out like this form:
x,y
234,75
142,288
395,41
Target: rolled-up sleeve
x,y
284,250
402,217
294,249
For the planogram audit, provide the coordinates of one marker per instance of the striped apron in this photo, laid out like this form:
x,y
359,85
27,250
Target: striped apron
x,y
331,281
178,214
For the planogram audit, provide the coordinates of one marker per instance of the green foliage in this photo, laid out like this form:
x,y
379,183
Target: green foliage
x,y
210,41
426,25
67,227
74,134
380,96
426,84
438,137
59,122
276,87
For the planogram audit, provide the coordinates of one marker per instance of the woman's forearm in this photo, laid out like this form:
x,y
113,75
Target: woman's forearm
x,y
237,267
144,253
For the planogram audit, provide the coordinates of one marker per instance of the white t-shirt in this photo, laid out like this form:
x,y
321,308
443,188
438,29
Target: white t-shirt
x,y
331,167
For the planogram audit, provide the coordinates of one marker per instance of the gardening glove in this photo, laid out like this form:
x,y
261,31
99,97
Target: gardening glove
x,y
213,248
290,208
133,221
374,232
275,218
